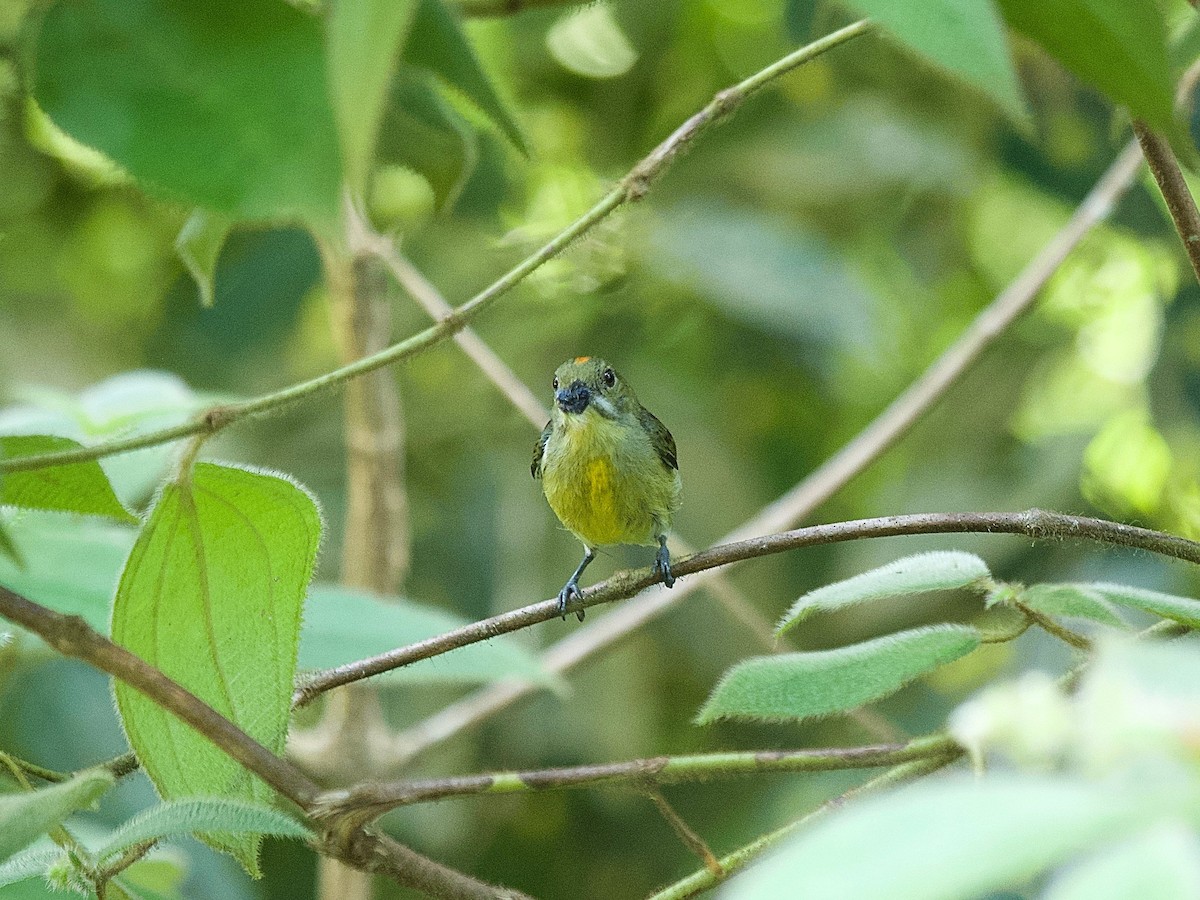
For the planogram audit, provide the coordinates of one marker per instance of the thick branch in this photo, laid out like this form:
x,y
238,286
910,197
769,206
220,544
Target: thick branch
x,y
1035,523
630,188
1182,207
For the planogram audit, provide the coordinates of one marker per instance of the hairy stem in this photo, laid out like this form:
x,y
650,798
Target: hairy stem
x,y
1180,204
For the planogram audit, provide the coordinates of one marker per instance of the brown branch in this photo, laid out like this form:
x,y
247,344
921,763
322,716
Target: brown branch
x,y
1035,523
685,832
1180,204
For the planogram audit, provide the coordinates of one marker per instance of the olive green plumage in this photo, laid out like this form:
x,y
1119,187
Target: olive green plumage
x,y
608,466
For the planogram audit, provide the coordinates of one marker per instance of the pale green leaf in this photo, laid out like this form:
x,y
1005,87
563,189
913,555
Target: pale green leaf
x,y
364,40
1077,601
985,835
919,574
589,42
1118,46
25,816
342,625
797,686
436,43
1160,864
198,245
965,37
27,864
1179,609
206,814
212,595
78,487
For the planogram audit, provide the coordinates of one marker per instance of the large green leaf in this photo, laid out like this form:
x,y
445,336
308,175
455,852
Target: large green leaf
x,y
78,487
25,816
221,104
1180,609
965,37
212,595
1160,864
1118,46
797,686
436,43
919,574
342,625
985,834
364,37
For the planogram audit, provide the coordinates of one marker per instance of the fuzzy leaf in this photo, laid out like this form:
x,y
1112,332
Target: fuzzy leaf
x,y
919,574
1077,601
27,864
205,814
198,245
798,686
1179,609
26,816
78,487
212,595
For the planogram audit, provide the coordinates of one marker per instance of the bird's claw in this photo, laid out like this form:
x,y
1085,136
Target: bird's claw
x,y
569,593
662,565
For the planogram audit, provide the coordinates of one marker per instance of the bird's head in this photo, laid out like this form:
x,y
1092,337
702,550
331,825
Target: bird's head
x,y
587,382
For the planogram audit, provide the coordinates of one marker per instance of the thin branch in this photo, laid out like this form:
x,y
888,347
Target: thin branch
x,y
482,9
824,481
632,187
684,832
368,801
1180,204
1035,523
700,881
1050,626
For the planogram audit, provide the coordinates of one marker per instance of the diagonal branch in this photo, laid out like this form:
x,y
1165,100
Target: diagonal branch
x,y
1034,523
1180,204
632,187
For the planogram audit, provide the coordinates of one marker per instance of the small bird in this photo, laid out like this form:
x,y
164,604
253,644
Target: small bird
x,y
608,467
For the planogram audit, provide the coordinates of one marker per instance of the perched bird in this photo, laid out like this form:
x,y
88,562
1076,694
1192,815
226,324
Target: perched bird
x,y
608,467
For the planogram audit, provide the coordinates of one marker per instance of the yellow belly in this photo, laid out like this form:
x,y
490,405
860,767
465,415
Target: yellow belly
x,y
596,505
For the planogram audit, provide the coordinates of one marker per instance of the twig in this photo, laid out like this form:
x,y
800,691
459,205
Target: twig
x,y
685,832
1035,523
371,800
1180,204
1050,626
491,8
632,187
823,482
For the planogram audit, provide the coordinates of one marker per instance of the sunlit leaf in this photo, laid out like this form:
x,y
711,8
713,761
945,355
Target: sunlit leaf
x,y
1179,609
1162,863
365,37
436,43
919,574
342,625
204,814
989,834
199,244
589,42
1119,47
212,595
797,686
25,816
78,487
221,104
1078,601
965,37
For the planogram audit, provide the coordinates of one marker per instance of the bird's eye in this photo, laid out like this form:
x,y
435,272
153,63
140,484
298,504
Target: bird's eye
x,y
610,377
554,383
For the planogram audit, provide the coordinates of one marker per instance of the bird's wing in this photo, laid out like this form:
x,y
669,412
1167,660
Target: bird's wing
x,y
539,448
660,438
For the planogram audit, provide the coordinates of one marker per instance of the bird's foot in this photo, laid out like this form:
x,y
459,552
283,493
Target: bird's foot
x,y
566,596
662,564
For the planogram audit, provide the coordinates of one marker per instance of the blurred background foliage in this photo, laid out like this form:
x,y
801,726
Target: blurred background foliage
x,y
789,277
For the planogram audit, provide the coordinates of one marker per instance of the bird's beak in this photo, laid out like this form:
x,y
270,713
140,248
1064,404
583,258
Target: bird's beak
x,y
573,399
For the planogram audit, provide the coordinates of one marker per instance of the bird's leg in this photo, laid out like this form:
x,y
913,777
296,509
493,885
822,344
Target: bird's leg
x,y
571,589
662,561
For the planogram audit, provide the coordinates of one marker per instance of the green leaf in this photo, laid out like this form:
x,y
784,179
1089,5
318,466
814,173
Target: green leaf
x,y
73,564
1118,46
919,574
436,43
198,245
25,816
589,42
423,132
342,625
179,817
965,37
221,104
365,37
9,549
1179,609
212,595
27,864
78,487
988,834
798,686
1162,863
1077,601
